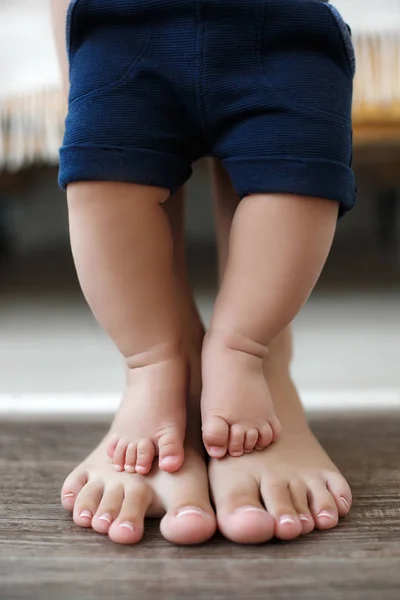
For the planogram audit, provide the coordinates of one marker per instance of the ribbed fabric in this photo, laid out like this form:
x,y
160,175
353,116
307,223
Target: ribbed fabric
x,y
265,85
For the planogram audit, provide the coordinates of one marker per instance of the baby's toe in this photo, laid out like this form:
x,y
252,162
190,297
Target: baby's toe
x,y
145,455
170,450
237,435
265,436
120,453
250,440
130,457
215,436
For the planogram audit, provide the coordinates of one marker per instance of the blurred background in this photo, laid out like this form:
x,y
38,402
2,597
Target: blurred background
x,y
53,356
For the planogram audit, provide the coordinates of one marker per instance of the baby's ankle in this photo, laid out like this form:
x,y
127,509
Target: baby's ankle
x,y
218,339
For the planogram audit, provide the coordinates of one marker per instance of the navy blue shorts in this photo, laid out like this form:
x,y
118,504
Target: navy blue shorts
x,y
264,85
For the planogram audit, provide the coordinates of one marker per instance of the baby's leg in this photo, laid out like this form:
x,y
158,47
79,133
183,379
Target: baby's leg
x,y
282,116
278,246
122,249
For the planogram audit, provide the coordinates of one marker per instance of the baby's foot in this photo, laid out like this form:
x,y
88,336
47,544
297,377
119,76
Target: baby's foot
x,y
237,411
152,418
286,491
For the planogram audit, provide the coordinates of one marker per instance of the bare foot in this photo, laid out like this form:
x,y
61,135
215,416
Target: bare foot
x,y
115,504
238,415
284,491
152,417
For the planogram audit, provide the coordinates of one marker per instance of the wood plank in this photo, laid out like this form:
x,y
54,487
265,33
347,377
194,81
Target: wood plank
x,y
44,555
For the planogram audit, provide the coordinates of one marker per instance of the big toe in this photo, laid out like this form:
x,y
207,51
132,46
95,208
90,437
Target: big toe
x,y
171,454
215,436
240,514
190,524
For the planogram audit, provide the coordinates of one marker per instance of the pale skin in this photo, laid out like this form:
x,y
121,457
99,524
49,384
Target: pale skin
x,y
293,479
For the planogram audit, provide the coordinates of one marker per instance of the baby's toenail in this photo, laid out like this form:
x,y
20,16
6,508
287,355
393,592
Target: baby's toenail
x,y
347,505
191,510
129,468
106,517
303,518
325,513
248,509
286,519
86,513
170,460
69,495
217,452
118,467
127,525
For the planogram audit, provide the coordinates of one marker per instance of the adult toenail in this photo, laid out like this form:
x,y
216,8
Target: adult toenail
x,y
69,495
86,513
303,518
325,513
347,505
127,525
217,452
191,510
249,509
286,519
106,517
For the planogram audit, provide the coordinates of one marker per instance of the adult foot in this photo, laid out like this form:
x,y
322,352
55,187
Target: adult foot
x,y
238,414
284,491
116,503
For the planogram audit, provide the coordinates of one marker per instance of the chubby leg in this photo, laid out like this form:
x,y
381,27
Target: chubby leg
x,y
122,247
291,487
278,246
116,503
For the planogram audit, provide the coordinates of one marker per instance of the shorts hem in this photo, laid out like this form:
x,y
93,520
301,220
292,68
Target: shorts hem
x,y
315,178
115,163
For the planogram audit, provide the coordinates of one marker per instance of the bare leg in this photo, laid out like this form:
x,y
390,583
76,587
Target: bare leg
x,y
291,487
278,246
122,247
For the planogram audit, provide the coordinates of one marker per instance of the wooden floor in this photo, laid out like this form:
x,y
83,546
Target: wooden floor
x,y
43,555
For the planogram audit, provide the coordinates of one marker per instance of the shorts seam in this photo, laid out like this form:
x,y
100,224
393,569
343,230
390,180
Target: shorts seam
x,y
293,104
332,11
122,78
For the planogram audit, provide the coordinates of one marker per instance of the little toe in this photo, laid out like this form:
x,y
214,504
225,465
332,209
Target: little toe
x,y
120,454
145,456
236,440
322,505
278,502
130,458
71,488
170,450
340,490
298,492
265,437
215,436
276,428
250,440
128,527
109,508
87,503
111,446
